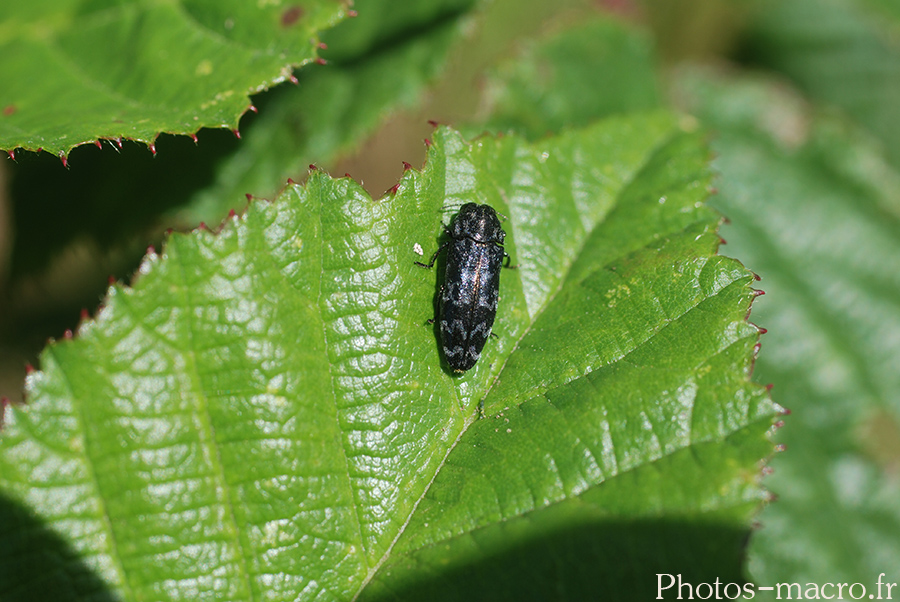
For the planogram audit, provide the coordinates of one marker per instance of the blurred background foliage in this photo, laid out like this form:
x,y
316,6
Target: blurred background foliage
x,y
801,100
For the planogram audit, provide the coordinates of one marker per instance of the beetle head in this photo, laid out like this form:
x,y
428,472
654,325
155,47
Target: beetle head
x,y
479,223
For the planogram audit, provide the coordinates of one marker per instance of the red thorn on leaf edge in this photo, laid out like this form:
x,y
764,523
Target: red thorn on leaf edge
x,y
232,213
757,277
202,226
293,79
427,142
767,470
323,46
64,159
778,424
786,411
29,368
780,447
84,314
151,250
249,198
433,123
195,139
254,109
347,175
393,189
722,241
312,167
111,280
352,13
758,293
119,143
237,134
321,61
153,149
97,144
406,166
12,154
762,330
67,334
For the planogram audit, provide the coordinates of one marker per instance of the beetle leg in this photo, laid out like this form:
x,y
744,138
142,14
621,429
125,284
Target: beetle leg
x,y
433,257
508,259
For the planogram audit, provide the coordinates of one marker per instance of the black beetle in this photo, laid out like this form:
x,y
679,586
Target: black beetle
x,y
471,288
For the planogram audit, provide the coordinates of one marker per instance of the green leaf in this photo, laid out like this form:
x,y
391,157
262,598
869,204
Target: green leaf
x,y
113,70
840,52
383,23
815,210
570,78
112,197
264,415
330,113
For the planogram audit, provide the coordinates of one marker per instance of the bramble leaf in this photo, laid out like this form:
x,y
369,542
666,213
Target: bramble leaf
x,y
77,72
264,414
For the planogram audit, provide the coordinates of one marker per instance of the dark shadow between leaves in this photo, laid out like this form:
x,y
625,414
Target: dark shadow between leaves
x,y
36,565
607,562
